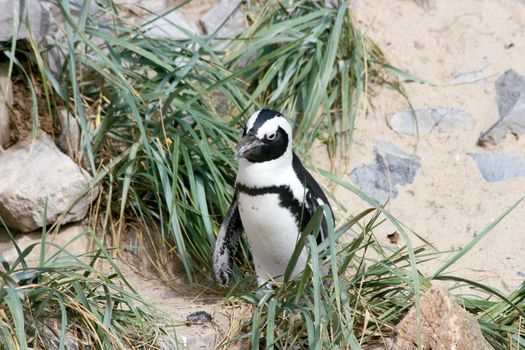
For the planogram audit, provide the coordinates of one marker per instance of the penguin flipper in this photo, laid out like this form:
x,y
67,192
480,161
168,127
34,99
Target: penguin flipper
x,y
314,198
226,245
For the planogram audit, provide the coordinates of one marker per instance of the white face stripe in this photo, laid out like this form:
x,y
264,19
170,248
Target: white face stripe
x,y
270,126
251,121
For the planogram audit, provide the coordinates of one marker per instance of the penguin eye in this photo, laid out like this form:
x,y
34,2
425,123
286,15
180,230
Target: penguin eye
x,y
270,137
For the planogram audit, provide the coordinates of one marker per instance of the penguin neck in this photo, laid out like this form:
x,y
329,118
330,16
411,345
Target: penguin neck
x,y
270,173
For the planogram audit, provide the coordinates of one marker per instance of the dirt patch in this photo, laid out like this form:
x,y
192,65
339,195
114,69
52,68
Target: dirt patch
x,y
23,110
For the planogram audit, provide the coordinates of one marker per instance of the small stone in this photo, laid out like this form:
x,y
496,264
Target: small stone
x,y
445,326
392,167
429,4
497,167
432,120
172,25
510,96
227,12
199,317
520,274
331,3
6,101
477,76
70,136
393,237
419,45
38,179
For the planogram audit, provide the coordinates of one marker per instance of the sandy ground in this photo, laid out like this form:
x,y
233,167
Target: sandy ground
x,y
449,203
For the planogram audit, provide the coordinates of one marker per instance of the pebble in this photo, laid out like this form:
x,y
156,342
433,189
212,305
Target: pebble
x,y
199,317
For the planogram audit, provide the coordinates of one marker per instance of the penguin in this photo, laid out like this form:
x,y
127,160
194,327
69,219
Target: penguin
x,y
274,199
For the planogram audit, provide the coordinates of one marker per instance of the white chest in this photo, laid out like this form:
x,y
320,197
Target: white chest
x,y
272,233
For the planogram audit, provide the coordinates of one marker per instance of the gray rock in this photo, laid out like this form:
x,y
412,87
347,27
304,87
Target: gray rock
x,y
6,100
429,4
432,120
55,55
477,76
172,25
331,3
497,167
166,343
199,317
335,4
36,13
510,96
70,137
138,9
444,325
392,167
36,173
48,331
227,12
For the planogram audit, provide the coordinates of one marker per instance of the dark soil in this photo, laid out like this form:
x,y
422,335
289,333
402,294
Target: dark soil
x,y
22,110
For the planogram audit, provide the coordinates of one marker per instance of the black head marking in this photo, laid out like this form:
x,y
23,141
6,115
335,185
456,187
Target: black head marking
x,y
268,150
270,147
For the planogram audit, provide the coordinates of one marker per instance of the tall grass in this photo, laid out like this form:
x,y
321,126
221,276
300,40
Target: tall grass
x,y
311,63
154,99
171,109
63,301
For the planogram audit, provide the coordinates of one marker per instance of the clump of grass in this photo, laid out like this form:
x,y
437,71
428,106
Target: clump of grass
x,y
153,132
171,108
311,63
65,302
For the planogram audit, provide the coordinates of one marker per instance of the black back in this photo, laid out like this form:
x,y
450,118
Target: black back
x,y
315,192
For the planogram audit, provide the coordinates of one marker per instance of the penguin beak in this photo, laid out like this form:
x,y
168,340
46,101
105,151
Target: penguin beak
x,y
246,145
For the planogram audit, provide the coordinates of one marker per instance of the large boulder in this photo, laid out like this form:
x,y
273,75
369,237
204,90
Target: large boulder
x,y
38,179
445,326
34,16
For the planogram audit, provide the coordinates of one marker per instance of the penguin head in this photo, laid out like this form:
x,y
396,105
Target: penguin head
x,y
267,136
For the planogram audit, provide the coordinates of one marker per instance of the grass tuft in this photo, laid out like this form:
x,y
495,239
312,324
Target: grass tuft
x,y
64,301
